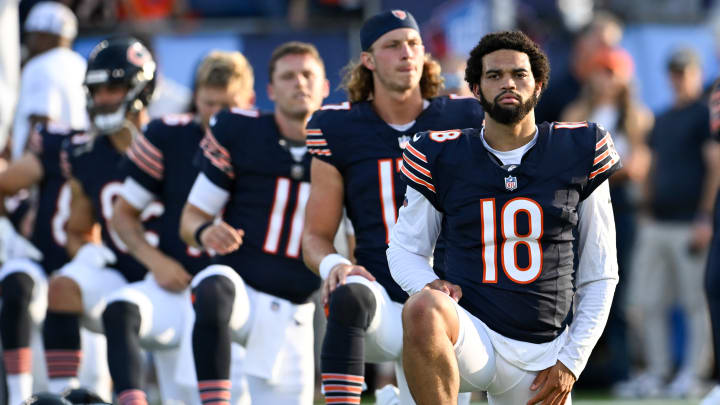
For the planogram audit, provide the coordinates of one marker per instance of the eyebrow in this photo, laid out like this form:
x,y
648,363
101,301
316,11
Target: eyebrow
x,y
516,70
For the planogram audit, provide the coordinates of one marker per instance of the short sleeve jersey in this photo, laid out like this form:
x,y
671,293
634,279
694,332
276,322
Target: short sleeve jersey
x,y
53,203
510,231
98,166
244,154
161,161
368,154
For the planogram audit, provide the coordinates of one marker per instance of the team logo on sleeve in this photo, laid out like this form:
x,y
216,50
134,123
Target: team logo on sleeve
x,y
510,183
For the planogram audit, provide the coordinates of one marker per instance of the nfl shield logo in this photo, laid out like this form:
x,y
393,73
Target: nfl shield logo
x,y
510,183
403,141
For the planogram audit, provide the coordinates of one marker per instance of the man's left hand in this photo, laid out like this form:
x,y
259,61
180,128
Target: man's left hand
x,y
555,384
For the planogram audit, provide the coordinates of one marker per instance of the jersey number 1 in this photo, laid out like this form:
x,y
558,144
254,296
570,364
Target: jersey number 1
x,y
511,240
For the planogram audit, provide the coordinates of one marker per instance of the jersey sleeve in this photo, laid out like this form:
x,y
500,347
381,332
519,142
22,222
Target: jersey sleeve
x,y
145,163
320,140
417,167
47,148
606,160
714,105
216,162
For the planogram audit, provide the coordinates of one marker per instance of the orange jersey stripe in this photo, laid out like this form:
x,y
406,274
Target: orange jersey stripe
x,y
417,167
157,153
601,157
140,162
601,142
607,166
416,153
417,180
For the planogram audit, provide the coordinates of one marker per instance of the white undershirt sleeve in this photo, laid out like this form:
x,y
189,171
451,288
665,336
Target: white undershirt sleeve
x,y
412,241
207,196
135,194
597,277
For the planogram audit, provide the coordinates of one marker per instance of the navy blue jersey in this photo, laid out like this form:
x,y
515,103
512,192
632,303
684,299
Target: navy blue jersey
x,y
161,162
510,230
245,154
368,154
98,167
53,196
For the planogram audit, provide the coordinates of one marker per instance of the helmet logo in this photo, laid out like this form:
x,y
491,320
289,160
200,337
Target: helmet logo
x,y
399,14
138,55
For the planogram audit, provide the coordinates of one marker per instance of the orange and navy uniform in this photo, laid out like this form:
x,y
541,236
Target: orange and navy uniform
x,y
99,168
53,203
509,230
244,154
368,154
161,161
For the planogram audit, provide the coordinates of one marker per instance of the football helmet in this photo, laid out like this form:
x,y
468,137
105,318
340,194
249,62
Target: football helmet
x,y
46,398
119,61
82,396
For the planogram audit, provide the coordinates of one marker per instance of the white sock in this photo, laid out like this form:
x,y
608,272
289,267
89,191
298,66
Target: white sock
x,y
58,385
19,387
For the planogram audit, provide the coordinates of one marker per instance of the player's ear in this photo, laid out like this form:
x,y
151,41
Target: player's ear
x,y
367,59
538,88
475,88
326,88
270,92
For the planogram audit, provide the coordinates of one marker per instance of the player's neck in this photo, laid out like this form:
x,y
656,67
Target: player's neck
x,y
121,139
289,127
395,107
504,138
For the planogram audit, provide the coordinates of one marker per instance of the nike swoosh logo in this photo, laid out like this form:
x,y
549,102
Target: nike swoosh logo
x,y
416,137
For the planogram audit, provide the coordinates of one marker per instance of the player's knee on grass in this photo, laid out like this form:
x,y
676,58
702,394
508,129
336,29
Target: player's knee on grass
x,y
14,319
352,304
64,295
214,298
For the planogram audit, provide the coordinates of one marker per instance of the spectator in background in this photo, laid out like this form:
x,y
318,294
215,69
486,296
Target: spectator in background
x,y
669,260
453,73
9,66
51,81
606,98
604,32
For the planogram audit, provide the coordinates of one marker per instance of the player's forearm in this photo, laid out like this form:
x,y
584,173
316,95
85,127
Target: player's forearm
x,y
316,247
591,313
191,220
126,223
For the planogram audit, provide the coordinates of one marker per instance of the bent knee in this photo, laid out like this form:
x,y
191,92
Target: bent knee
x,y
17,289
214,298
429,310
352,304
64,295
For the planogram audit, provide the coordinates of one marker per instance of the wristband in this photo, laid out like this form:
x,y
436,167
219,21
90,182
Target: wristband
x,y
330,261
199,231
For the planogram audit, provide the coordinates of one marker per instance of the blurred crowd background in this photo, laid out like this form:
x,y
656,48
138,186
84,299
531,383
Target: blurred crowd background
x,y
640,68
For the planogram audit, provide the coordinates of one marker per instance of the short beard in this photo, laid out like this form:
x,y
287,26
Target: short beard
x,y
508,115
